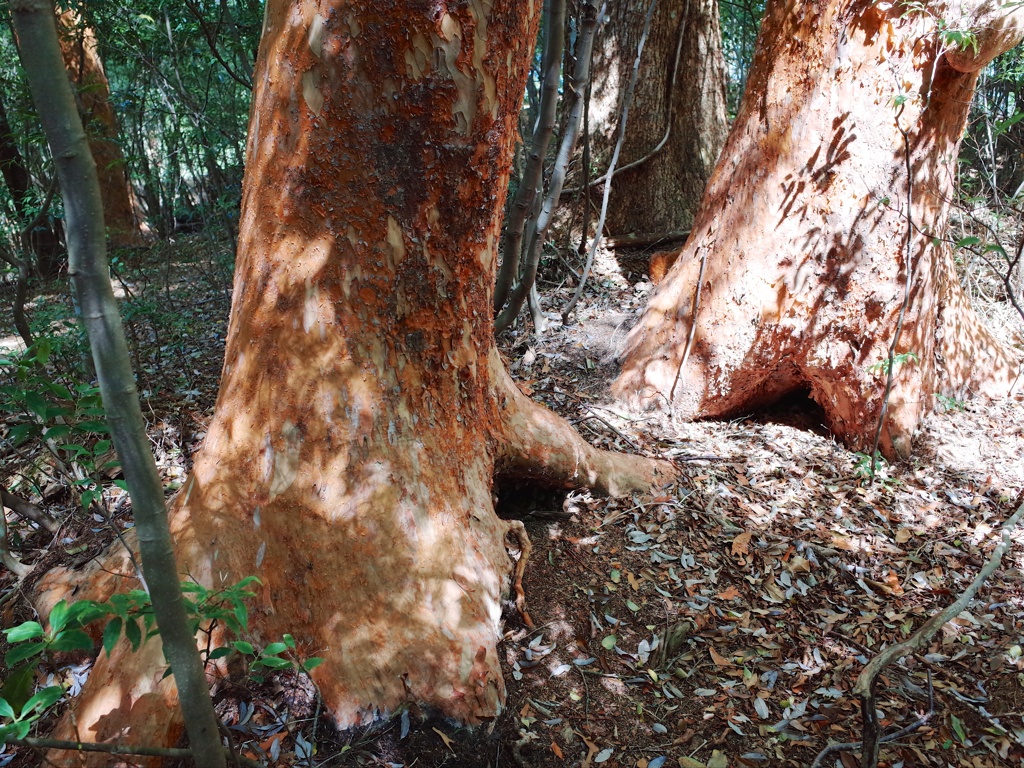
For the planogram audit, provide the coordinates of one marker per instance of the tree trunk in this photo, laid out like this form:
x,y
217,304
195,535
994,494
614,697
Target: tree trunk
x,y
798,262
363,408
661,194
81,57
43,239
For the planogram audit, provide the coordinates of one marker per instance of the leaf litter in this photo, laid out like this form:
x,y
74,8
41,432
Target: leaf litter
x,y
718,622
730,614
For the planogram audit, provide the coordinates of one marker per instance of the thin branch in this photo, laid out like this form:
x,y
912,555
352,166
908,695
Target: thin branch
x,y
906,730
669,112
693,325
668,117
647,239
865,687
26,509
909,267
120,749
211,42
626,101
35,24
539,224
554,41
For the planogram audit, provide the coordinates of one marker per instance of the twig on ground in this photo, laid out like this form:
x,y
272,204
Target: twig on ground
x,y
885,739
865,687
26,509
118,749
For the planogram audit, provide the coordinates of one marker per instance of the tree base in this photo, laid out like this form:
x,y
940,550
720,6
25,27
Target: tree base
x,y
403,607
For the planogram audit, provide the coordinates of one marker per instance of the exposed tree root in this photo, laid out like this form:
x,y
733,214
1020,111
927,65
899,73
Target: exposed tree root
x,y
538,443
517,529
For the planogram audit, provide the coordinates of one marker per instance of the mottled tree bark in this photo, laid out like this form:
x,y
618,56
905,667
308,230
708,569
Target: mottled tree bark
x,y
800,249
363,409
661,194
82,60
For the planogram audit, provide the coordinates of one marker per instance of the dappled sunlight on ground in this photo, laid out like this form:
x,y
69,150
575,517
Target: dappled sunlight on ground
x,y
729,613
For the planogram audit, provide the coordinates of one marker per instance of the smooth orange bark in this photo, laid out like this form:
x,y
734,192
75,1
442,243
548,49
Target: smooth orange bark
x,y
799,248
363,409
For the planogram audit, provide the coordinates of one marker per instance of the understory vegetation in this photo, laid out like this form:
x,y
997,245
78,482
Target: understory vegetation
x,y
722,620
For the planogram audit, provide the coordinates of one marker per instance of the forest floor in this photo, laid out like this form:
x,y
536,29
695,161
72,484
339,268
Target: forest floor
x,y
719,622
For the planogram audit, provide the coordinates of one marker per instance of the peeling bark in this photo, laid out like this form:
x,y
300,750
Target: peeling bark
x,y
801,245
363,410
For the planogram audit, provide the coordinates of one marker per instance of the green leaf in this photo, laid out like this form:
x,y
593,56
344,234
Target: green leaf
x,y
58,617
6,710
85,612
60,391
58,431
72,640
18,686
609,642
632,606
219,653
119,605
275,648
22,652
101,447
133,633
1002,126
243,647
45,699
20,432
312,663
21,729
29,630
272,662
958,728
289,641
99,427
37,404
112,633
242,616
963,242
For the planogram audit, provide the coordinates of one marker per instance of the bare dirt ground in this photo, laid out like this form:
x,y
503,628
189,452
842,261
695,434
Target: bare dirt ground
x,y
719,622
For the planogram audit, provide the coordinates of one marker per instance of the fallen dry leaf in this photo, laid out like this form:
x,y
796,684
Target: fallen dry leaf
x,y
719,659
446,739
741,544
